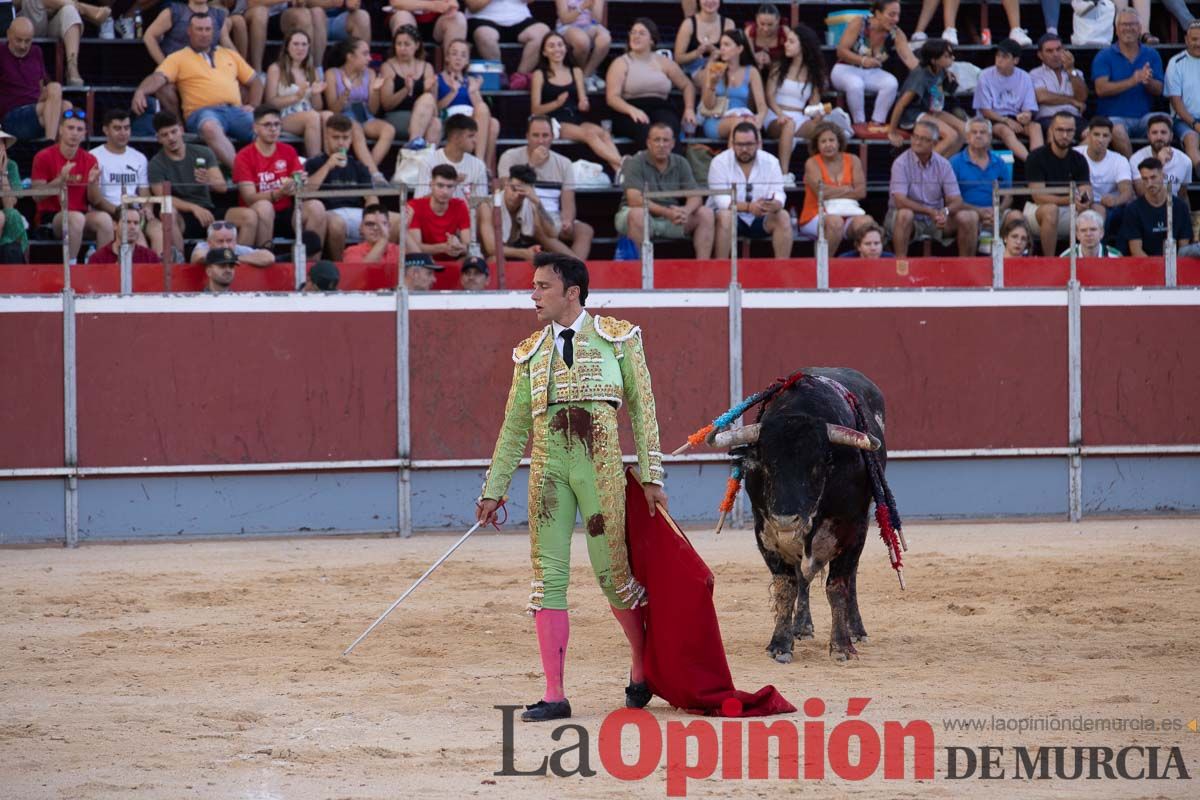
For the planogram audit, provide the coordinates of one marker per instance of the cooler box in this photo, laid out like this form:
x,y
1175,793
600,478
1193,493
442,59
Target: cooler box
x,y
836,22
492,73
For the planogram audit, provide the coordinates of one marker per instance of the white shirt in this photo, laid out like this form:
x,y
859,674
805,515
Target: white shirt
x,y
524,217
503,12
765,181
576,326
473,174
1177,171
1106,173
121,174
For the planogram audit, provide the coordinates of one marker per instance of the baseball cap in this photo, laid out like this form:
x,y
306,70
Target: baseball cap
x,y
475,263
421,260
324,275
221,255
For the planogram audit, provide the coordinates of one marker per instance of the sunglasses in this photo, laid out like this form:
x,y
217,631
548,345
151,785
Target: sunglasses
x,y
223,226
74,113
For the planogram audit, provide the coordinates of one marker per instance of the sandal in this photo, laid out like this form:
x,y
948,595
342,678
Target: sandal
x,y
1149,38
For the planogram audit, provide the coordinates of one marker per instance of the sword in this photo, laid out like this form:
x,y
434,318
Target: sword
x,y
410,590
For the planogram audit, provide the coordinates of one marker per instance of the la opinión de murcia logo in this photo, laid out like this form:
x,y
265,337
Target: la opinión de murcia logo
x,y
782,749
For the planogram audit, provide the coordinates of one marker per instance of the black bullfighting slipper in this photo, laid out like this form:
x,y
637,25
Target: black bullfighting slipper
x,y
637,695
541,711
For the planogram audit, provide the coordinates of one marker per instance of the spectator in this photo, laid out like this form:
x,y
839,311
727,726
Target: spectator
x,y
375,247
219,268
30,105
766,36
757,180
579,23
866,45
1017,237
1179,9
168,33
14,242
843,178
1111,178
949,21
473,277
1089,231
337,169
408,95
638,86
420,271
224,236
64,21
323,276
554,187
525,227
131,231
344,19
925,201
696,39
1182,88
1127,76
351,88
472,174
439,20
459,94
926,92
1176,166
1141,8
296,87
558,92
868,243
657,169
65,163
1056,166
977,169
1144,223
491,22
276,20
207,81
1005,96
440,223
731,89
795,82
194,173
268,174
123,171
1057,85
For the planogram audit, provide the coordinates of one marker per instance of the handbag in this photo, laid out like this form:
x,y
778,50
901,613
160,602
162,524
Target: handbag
x,y
716,110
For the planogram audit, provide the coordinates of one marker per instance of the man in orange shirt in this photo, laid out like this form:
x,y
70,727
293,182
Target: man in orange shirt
x,y
207,79
375,247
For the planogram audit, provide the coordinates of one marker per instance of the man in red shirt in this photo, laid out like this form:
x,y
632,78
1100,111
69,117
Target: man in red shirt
x,y
266,172
131,230
29,104
67,164
441,223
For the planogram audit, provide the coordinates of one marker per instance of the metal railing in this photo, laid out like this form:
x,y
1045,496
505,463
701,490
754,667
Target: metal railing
x,y
647,217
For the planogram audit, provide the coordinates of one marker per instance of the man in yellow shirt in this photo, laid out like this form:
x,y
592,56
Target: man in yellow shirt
x,y
208,80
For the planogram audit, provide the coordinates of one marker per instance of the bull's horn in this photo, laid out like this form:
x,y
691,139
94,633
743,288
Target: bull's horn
x,y
747,434
839,434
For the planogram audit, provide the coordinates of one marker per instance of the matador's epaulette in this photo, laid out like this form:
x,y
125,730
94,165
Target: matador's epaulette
x,y
616,330
525,350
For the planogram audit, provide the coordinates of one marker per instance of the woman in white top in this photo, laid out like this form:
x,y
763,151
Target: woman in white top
x,y
793,84
294,86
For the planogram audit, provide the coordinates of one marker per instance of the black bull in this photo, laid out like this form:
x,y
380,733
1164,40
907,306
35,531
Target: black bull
x,y
811,492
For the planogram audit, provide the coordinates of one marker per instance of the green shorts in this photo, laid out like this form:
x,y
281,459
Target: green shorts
x,y
660,227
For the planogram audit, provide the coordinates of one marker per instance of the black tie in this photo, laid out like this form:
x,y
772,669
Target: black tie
x,y
568,348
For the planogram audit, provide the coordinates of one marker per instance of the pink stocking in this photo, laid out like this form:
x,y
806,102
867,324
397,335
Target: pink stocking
x,y
553,631
635,632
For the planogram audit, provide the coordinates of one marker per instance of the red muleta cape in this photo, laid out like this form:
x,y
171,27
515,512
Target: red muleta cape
x,y
685,658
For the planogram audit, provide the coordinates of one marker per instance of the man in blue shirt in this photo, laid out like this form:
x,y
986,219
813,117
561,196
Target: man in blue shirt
x,y
1127,76
1183,90
976,167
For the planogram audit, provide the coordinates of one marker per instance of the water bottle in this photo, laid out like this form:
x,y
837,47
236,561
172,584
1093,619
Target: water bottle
x,y
138,31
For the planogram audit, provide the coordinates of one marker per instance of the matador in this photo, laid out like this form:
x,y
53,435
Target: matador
x,y
569,380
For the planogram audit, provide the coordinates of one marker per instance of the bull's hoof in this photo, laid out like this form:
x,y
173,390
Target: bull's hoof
x,y
843,653
804,632
783,658
859,637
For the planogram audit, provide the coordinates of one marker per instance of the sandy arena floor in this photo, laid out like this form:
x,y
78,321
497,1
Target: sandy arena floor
x,y
213,669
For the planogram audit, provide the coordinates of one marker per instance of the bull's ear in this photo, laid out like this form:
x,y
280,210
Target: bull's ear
x,y
839,434
747,454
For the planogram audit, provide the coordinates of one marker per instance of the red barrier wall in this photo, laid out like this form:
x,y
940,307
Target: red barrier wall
x,y
31,374
235,388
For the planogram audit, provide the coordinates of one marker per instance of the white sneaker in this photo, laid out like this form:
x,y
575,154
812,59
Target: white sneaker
x,y
107,29
124,27
918,37
951,36
1019,36
789,181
